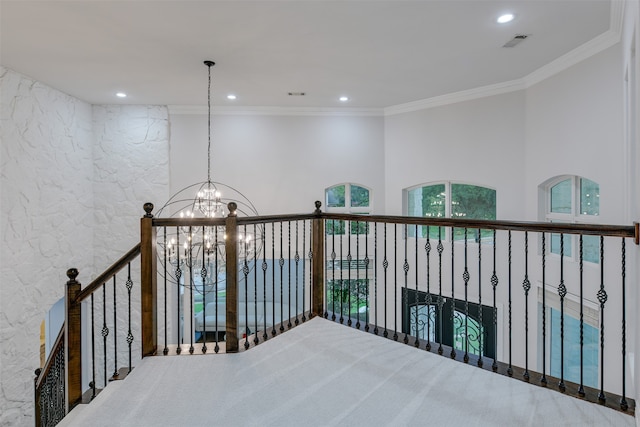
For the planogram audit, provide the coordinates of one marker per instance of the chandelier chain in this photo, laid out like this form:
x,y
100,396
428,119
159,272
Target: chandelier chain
x,y
209,125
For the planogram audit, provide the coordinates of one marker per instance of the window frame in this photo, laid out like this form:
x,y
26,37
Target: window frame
x,y
347,208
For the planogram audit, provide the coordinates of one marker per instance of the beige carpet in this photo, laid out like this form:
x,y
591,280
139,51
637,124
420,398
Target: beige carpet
x,y
325,374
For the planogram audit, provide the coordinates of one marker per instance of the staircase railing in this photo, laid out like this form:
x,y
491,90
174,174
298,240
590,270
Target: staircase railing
x,y
500,292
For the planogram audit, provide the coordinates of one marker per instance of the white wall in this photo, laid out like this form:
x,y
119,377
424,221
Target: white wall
x,y
476,142
281,163
47,223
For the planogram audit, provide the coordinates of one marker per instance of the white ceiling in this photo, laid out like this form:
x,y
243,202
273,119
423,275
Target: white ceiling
x,y
379,53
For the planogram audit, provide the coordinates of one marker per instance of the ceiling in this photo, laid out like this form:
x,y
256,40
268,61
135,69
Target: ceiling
x,y
379,53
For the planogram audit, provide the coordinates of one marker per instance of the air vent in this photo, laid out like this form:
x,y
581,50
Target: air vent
x,y
517,39
296,94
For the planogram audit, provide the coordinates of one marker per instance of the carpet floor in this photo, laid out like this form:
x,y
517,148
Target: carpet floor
x,y
325,374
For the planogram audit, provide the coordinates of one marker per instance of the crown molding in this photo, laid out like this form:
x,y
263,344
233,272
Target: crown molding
x,y
453,98
274,111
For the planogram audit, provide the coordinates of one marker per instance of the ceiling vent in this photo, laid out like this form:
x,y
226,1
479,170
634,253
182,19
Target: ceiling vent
x,y
517,39
296,93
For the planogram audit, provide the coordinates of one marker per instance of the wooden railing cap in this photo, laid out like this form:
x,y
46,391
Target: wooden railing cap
x,y
72,273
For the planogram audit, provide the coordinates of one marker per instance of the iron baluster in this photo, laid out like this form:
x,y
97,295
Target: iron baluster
x,y
395,281
481,333
203,274
623,400
526,285
216,348
264,283
165,351
562,292
115,331
465,277
255,286
602,299
494,285
245,271
385,265
341,285
427,248
417,342
311,267
281,262
453,299
289,273
510,368
366,276
440,248
273,279
357,273
191,285
543,379
348,273
297,260
333,271
375,277
178,276
581,391
105,330
129,285
405,267
92,384
304,242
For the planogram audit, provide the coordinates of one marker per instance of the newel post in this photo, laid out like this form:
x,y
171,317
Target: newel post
x,y
149,283
231,250
318,263
72,338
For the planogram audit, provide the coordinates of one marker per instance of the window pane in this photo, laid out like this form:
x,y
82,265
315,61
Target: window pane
x,y
333,226
589,197
555,244
359,196
430,202
472,202
335,197
561,197
591,248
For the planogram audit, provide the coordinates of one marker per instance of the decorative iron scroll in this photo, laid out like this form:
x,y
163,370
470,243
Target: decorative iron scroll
x,y
50,389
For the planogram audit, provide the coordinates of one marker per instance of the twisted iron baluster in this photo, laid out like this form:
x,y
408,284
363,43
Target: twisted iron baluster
x,y
129,286
348,273
510,368
203,275
405,296
623,400
264,283
357,274
481,343
494,285
562,292
273,279
289,273
297,260
543,379
281,261
115,331
304,242
465,277
245,271
216,348
581,391
341,285
602,298
427,248
178,275
105,330
440,249
395,281
526,285
333,271
366,276
385,265
256,340
375,276
93,351
311,265
417,342
191,286
165,351
453,299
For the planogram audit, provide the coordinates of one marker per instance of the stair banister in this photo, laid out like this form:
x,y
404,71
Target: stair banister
x,y
149,283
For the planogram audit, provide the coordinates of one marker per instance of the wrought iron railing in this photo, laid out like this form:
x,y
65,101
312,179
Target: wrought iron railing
x,y
498,294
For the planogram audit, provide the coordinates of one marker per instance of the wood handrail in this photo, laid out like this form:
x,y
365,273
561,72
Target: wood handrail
x,y
210,222
108,273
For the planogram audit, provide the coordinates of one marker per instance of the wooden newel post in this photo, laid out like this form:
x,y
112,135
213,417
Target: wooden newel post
x,y
318,263
73,343
149,284
231,250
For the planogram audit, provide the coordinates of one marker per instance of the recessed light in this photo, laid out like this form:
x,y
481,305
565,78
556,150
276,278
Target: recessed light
x,y
121,95
344,98
231,96
503,19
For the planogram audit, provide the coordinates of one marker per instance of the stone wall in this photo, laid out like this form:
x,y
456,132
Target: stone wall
x,y
73,181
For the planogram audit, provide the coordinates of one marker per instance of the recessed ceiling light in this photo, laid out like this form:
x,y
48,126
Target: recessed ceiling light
x,y
231,96
344,98
121,95
503,19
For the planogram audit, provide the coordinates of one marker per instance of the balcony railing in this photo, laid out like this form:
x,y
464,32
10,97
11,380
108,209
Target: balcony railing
x,y
519,298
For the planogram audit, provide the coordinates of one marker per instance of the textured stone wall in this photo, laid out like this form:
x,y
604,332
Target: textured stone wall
x,y
47,216
74,178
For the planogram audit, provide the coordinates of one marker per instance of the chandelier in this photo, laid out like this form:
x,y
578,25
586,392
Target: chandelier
x,y
194,257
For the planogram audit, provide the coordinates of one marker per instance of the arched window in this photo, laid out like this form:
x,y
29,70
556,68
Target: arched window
x,y
348,198
572,199
451,200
